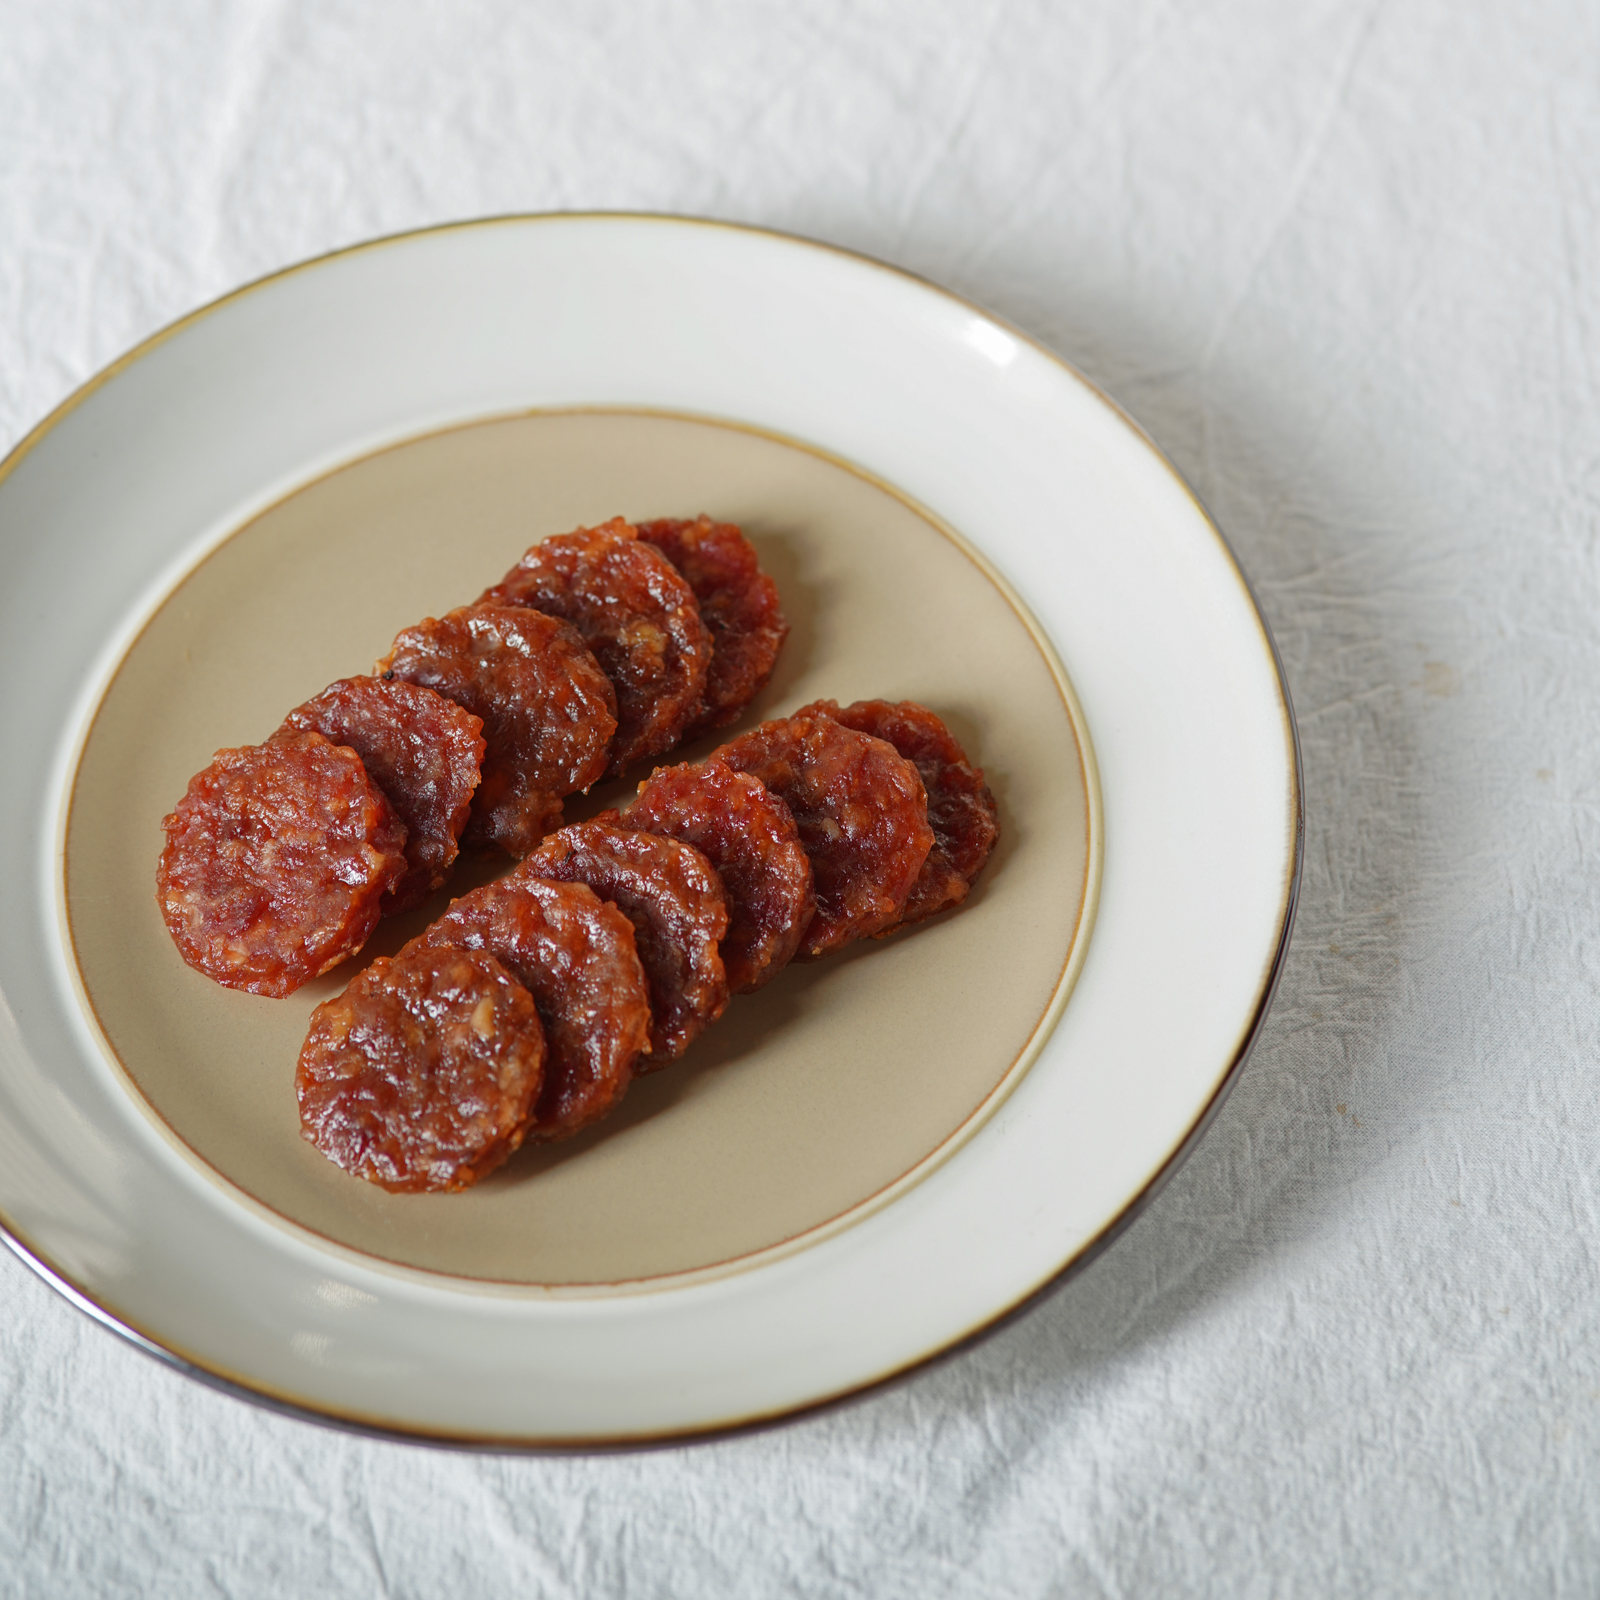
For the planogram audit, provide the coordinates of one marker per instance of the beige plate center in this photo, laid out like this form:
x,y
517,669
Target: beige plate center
x,y
809,1100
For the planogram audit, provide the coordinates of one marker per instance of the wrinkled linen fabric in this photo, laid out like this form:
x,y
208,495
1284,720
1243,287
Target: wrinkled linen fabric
x,y
1341,261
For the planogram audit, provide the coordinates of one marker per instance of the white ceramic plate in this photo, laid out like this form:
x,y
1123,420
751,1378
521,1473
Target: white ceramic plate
x,y
127,489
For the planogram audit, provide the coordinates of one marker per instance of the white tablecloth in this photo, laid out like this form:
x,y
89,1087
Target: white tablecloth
x,y
1342,262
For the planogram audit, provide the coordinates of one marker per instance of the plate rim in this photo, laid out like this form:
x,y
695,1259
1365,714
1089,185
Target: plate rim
x,y
213,1375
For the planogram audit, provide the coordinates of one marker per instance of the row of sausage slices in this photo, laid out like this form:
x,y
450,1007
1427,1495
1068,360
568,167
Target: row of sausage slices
x,y
599,651
526,1009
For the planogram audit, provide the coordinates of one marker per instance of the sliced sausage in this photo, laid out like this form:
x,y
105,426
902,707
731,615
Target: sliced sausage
x,y
637,614
673,897
862,815
548,711
423,1074
749,835
961,809
576,956
277,861
738,604
422,750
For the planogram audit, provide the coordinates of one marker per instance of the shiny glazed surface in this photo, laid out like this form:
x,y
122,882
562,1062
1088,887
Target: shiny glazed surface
x,y
749,835
674,898
423,1074
276,863
577,957
739,605
547,711
961,808
862,815
639,617
423,751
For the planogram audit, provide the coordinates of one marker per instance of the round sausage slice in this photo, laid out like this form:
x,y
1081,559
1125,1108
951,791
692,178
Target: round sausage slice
x,y
422,750
548,711
276,863
961,808
423,1074
738,604
749,835
673,897
862,815
637,614
576,956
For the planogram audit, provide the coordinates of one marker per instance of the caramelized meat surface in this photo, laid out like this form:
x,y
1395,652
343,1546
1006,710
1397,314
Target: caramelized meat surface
x,y
277,860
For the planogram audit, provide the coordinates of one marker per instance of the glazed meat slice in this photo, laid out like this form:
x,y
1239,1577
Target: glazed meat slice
x,y
738,604
423,1074
673,897
749,835
577,958
862,815
422,750
548,711
961,810
637,614
276,863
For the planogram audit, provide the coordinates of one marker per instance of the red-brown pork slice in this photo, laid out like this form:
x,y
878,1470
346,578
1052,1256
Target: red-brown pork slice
x,y
577,957
749,835
961,809
738,604
423,1074
422,750
548,711
673,897
277,860
862,815
637,614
